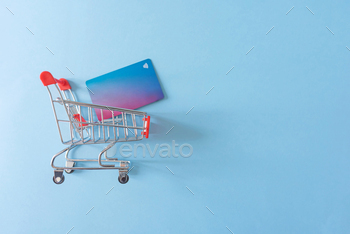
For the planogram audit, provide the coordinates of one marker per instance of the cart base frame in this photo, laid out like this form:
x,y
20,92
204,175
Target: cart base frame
x,y
123,167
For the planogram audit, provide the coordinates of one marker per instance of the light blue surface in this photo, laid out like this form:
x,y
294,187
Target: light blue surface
x,y
271,140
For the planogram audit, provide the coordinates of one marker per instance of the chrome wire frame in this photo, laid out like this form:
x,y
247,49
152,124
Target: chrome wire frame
x,y
93,130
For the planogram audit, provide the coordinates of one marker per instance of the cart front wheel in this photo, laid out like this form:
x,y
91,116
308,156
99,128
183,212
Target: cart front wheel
x,y
123,179
58,180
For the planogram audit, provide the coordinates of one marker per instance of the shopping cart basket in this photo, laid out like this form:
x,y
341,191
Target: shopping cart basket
x,y
84,127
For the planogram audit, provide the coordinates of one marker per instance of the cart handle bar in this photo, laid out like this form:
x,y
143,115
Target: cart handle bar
x,y
47,79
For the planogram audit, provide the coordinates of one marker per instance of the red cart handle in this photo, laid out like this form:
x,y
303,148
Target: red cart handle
x,y
147,124
47,79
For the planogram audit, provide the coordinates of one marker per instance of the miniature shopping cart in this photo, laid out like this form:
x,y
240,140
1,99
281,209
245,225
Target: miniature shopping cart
x,y
84,124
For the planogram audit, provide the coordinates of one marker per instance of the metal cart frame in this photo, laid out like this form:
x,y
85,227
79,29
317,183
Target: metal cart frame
x,y
123,126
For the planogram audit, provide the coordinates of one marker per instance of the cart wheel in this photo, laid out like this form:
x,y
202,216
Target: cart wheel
x,y
58,180
69,171
123,179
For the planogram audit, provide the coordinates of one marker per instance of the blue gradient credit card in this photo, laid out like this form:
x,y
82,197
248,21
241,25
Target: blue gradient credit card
x,y
130,87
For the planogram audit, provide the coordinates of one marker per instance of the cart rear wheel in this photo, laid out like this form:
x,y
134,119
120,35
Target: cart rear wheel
x,y
123,179
68,171
58,180
69,164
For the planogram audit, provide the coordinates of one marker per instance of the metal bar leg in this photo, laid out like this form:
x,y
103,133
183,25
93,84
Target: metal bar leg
x,y
102,152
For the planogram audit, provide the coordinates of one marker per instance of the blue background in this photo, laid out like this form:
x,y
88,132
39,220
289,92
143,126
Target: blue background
x,y
270,140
